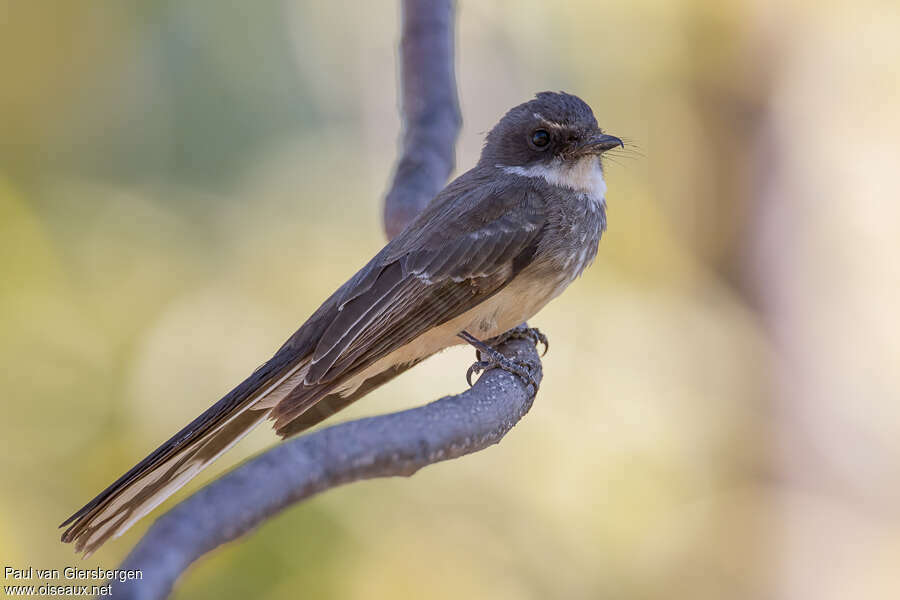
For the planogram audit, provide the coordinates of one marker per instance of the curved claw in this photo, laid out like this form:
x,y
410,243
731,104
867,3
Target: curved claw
x,y
520,368
524,371
541,339
476,368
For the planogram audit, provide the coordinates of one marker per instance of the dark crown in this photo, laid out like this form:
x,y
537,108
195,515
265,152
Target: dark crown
x,y
564,116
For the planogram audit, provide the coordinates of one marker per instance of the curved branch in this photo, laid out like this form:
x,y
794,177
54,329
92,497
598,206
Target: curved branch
x,y
384,446
397,444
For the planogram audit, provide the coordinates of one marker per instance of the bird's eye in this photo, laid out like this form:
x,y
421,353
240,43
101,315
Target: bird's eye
x,y
540,139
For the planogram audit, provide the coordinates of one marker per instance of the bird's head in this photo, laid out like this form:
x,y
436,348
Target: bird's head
x,y
555,135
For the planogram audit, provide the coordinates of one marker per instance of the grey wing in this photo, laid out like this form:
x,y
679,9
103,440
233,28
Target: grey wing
x,y
413,288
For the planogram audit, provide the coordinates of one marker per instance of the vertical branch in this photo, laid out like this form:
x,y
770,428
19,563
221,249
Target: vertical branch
x,y
430,110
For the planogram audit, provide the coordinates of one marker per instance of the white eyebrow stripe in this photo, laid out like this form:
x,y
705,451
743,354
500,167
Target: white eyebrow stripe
x,y
548,122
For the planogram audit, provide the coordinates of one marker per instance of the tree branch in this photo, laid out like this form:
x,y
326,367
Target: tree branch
x,y
383,446
430,109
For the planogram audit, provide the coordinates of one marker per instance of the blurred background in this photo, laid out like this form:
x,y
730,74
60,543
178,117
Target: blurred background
x,y
720,416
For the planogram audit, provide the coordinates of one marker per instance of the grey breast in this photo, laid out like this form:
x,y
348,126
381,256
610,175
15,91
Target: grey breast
x,y
576,223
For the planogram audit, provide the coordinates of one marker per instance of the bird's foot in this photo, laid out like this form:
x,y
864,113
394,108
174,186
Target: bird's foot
x,y
522,332
489,358
522,368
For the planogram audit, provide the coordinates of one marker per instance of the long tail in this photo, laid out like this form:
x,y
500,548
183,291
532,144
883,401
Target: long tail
x,y
182,457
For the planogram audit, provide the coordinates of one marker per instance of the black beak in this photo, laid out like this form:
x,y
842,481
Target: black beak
x,y
600,143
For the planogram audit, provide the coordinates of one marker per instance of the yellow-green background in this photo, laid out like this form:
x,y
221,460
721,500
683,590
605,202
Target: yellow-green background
x,y
181,183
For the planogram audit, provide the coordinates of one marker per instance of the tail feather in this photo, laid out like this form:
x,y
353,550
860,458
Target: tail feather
x,y
181,458
276,391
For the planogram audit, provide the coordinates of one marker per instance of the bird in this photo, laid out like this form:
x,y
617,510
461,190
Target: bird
x,y
485,255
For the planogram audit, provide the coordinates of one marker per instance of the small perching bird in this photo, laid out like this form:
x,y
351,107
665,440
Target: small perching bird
x,y
488,252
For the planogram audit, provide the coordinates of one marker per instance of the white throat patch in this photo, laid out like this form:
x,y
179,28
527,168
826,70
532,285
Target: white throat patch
x,y
584,176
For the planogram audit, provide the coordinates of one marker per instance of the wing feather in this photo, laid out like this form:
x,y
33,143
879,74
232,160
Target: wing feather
x,y
413,292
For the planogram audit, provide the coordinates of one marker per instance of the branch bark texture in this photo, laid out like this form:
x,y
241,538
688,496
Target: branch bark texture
x,y
397,444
